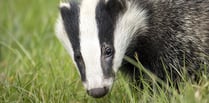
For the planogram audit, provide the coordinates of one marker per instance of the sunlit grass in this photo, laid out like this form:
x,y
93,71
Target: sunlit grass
x,y
34,66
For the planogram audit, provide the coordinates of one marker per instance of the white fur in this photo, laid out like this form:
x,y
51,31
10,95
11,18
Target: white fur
x,y
62,35
98,83
90,46
127,25
64,4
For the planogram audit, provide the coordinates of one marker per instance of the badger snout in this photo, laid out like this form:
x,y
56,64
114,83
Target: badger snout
x,y
98,92
97,88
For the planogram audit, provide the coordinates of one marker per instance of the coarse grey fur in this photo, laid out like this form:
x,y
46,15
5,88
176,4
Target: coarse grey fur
x,y
177,36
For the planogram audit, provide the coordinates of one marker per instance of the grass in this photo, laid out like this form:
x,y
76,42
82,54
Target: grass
x,y
35,68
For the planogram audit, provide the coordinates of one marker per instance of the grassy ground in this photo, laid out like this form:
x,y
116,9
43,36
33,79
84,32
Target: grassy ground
x,y
34,67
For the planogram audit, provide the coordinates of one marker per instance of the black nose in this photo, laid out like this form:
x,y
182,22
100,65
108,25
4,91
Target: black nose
x,y
98,92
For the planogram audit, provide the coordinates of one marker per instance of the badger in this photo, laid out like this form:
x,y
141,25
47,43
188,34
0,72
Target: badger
x,y
98,34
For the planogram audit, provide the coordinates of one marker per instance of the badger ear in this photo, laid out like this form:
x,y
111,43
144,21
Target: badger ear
x,y
67,8
64,5
64,9
69,11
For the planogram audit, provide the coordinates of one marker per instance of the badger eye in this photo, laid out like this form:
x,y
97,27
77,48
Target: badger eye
x,y
78,56
108,52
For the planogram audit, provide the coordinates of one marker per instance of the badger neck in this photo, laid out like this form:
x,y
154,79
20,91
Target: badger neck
x,y
130,24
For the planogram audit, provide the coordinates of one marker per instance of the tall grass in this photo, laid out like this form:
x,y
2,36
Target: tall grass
x,y
34,67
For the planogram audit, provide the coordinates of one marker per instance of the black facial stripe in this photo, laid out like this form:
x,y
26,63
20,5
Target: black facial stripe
x,y
104,23
106,15
71,22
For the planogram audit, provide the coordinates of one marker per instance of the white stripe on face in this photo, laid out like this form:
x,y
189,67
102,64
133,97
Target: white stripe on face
x,y
133,20
90,45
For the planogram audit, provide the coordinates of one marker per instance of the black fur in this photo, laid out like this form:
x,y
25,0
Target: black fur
x,y
106,15
71,23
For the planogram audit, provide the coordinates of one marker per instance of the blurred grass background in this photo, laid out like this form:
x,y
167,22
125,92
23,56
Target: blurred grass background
x,y
35,68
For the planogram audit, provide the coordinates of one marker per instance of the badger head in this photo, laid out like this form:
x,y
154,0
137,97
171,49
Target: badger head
x,y
96,33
